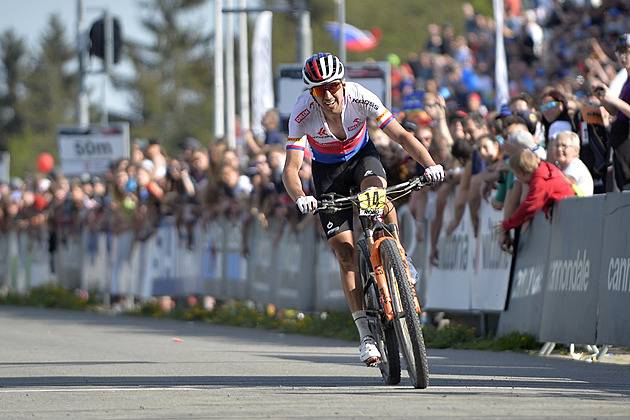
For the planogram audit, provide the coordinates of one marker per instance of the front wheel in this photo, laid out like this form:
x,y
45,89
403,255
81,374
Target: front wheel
x,y
406,318
382,331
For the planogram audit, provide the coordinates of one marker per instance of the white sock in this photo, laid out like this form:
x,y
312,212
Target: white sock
x,y
360,319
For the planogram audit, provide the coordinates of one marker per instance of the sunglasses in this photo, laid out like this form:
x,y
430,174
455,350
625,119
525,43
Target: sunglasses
x,y
549,105
330,87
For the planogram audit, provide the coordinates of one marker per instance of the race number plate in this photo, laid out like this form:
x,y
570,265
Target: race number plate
x,y
371,201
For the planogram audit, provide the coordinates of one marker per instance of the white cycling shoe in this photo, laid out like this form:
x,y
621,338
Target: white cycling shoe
x,y
369,351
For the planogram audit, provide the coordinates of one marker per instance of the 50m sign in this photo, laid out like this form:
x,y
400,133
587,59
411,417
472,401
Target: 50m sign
x,y
92,150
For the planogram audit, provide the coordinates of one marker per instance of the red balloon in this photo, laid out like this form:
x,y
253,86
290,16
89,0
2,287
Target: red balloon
x,y
45,162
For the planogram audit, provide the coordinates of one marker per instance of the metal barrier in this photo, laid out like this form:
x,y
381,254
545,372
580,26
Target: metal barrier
x,y
571,280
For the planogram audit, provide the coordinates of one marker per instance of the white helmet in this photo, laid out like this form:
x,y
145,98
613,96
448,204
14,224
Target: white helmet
x,y
320,69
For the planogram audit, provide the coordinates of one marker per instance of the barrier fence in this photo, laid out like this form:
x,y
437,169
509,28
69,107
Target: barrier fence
x,y
570,281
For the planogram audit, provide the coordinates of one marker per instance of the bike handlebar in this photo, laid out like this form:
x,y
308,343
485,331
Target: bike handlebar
x,y
333,202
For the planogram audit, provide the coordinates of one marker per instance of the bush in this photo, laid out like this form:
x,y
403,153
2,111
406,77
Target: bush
x,y
331,323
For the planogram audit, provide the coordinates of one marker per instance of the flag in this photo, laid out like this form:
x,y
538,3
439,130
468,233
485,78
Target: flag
x,y
501,90
356,39
262,71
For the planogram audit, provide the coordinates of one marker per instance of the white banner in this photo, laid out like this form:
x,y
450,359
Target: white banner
x,y
5,166
262,72
501,89
92,150
473,272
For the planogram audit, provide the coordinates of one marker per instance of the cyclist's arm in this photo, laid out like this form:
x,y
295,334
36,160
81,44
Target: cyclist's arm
x,y
409,142
290,174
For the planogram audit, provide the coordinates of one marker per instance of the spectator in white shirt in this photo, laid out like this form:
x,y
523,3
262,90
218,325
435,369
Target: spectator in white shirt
x,y
566,149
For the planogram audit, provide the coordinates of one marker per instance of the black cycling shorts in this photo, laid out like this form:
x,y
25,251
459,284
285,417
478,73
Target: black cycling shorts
x,y
340,178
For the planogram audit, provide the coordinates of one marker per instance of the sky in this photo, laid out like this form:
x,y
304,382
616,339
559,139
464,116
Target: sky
x,y
29,18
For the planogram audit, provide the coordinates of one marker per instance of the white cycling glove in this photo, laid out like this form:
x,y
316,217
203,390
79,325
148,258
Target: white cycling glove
x,y
306,204
434,173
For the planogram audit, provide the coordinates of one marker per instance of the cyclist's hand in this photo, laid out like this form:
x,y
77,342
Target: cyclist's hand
x,y
306,204
434,173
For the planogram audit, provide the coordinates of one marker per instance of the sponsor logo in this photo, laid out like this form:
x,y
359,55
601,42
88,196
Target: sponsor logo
x,y
322,132
331,228
369,172
619,275
382,115
366,103
570,275
300,117
357,123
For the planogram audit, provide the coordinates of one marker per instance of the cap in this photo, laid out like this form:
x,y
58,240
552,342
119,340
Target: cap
x,y
147,165
474,96
557,127
190,143
623,42
531,119
522,138
457,115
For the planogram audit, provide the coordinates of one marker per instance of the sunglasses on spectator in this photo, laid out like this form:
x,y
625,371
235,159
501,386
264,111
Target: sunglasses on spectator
x,y
330,87
549,105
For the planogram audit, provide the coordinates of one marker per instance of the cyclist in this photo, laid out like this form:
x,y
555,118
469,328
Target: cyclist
x,y
331,117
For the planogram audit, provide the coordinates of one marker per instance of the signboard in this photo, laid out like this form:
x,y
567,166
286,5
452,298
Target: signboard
x,y
91,150
5,166
374,76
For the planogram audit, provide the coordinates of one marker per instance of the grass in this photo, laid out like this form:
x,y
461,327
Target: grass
x,y
331,323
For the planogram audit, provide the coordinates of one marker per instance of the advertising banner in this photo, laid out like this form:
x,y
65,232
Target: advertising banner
x,y
524,309
614,273
570,298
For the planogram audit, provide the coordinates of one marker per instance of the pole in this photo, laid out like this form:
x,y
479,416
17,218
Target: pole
x,y
304,33
243,60
219,123
108,29
83,117
230,119
341,10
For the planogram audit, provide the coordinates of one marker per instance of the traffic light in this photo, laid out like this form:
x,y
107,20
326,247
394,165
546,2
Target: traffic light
x,y
97,39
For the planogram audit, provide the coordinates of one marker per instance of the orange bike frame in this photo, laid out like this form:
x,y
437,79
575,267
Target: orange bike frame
x,y
381,281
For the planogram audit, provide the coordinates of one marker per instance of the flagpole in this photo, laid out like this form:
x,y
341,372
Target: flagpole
x,y
501,93
341,12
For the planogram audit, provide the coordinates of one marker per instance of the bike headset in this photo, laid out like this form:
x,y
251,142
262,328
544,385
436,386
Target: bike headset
x,y
321,69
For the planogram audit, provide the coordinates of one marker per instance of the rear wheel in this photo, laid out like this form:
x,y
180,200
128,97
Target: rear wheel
x,y
406,318
382,331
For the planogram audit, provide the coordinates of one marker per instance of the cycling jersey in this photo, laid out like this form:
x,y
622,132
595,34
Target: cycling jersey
x,y
307,124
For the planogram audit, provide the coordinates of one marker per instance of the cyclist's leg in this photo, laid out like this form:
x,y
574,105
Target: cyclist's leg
x,y
343,245
369,172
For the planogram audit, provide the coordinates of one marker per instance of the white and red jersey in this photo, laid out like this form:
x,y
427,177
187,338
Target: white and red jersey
x,y
308,125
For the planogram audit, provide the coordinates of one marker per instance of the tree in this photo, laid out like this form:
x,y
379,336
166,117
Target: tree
x,y
51,87
45,96
173,84
12,53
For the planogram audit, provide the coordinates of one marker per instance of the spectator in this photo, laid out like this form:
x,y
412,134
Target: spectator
x,y
619,107
566,150
546,185
595,151
555,116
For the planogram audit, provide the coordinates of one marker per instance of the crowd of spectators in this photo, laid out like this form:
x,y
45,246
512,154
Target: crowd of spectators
x,y
552,50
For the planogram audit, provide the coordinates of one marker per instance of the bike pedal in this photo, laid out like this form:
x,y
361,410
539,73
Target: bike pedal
x,y
373,362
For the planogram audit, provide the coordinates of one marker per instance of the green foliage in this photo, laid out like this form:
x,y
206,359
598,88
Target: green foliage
x,y
404,26
331,323
48,296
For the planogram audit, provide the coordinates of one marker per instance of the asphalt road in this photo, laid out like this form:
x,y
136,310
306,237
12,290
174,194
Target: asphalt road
x,y
62,364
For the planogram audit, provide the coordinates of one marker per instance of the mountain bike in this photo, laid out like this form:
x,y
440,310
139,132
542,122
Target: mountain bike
x,y
391,302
